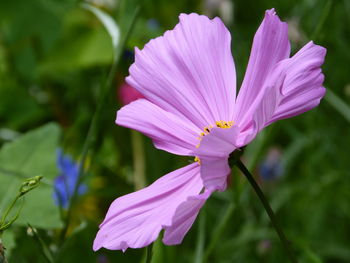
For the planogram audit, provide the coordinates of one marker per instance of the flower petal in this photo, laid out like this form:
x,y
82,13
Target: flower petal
x,y
218,143
270,46
214,172
169,132
183,219
135,220
60,193
189,71
302,88
295,86
213,152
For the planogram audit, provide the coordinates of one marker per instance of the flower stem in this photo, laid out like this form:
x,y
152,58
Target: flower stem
x,y
3,218
268,209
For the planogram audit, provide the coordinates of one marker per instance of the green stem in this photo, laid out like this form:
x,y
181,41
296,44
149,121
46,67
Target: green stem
x,y
149,253
3,218
91,135
28,185
268,209
138,160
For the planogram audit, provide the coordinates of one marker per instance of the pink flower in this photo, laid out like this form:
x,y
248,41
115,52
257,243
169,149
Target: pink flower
x,y
128,94
188,79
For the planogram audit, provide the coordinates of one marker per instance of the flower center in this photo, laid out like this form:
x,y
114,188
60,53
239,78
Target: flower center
x,y
207,129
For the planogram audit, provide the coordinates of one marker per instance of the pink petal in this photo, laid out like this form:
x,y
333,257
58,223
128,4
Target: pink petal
x,y
214,172
218,143
135,220
189,71
213,152
302,88
295,86
169,132
183,219
270,46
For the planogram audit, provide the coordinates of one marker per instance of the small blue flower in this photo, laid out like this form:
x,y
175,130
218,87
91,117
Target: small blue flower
x,y
67,180
153,24
272,167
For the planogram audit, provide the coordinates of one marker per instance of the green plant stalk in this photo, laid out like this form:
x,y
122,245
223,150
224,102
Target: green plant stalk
x,y
149,253
3,218
138,160
91,135
28,185
268,209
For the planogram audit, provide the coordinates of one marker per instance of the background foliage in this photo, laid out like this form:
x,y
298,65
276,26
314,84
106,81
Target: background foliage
x,y
54,57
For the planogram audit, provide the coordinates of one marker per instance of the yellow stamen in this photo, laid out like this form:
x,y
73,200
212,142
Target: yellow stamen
x,y
224,124
196,159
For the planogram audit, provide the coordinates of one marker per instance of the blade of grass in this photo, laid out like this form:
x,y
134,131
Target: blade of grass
x,y
325,12
338,104
149,253
199,252
158,251
43,247
108,22
91,135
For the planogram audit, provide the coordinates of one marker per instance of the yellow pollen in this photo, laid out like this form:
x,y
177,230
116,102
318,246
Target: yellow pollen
x,y
196,159
224,124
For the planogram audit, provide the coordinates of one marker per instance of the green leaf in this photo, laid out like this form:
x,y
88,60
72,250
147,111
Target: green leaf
x,y
82,41
32,154
87,49
108,22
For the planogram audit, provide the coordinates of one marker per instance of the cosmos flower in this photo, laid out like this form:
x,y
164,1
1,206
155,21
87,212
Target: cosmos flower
x,y
188,79
66,181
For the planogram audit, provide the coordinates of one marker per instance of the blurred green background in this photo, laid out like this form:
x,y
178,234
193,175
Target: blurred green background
x,y
54,57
